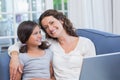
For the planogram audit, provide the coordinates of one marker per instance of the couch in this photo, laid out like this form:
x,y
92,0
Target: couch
x,y
104,43
4,66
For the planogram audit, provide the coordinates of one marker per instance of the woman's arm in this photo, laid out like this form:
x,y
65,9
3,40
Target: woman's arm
x,y
14,66
13,51
19,75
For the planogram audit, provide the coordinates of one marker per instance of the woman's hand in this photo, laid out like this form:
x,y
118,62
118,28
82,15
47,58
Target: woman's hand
x,y
14,65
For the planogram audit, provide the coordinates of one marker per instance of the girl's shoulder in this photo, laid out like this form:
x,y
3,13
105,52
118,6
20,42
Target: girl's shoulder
x,y
48,51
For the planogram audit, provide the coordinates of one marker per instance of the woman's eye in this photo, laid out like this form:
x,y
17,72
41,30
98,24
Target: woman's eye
x,y
51,22
45,27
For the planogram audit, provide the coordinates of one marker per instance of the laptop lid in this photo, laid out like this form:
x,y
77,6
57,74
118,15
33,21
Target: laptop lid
x,y
101,67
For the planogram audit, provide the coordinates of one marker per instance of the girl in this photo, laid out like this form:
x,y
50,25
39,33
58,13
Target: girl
x,y
35,57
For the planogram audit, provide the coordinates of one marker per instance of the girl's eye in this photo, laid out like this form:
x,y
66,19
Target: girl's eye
x,y
35,33
39,32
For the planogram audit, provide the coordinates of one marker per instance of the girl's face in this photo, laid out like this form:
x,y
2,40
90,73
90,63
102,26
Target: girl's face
x,y
35,38
53,27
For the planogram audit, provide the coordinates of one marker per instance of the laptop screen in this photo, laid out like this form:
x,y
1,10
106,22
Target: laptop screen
x,y
101,67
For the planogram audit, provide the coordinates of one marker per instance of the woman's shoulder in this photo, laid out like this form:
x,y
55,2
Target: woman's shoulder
x,y
85,39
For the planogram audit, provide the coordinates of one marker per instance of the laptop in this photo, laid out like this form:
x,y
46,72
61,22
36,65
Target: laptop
x,y
101,67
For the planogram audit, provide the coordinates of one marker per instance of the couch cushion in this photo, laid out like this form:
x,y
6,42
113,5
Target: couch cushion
x,y
104,42
4,66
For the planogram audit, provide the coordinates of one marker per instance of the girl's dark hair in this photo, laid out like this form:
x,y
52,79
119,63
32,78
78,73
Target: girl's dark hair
x,y
67,25
24,31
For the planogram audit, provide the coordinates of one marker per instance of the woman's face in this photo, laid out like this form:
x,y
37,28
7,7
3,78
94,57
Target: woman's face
x,y
53,27
35,38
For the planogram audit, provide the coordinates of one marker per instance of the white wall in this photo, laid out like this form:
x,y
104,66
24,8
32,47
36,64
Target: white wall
x,y
49,4
75,12
116,16
95,14
102,15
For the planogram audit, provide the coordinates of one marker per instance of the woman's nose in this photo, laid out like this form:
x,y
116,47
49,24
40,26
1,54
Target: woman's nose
x,y
50,27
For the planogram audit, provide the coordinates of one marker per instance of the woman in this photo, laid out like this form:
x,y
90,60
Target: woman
x,y
68,49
